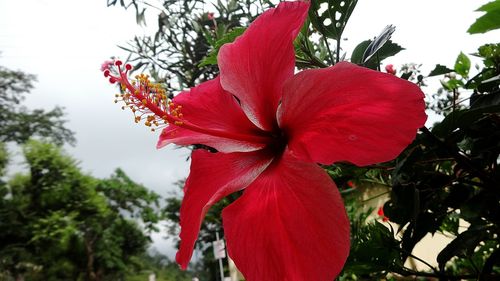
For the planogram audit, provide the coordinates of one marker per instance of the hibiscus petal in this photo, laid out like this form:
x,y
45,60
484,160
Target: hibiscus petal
x,y
256,65
213,176
290,224
209,106
350,113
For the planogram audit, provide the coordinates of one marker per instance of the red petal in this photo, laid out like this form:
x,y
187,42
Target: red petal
x,y
255,67
350,113
213,176
290,224
209,106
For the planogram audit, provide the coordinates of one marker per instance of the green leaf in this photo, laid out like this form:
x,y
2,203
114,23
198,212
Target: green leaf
x,y
462,119
451,84
211,59
484,100
357,53
439,70
377,43
462,65
489,21
372,238
389,49
463,245
332,21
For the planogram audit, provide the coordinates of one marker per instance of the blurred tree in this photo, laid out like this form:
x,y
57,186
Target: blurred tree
x,y
164,269
18,123
187,31
57,223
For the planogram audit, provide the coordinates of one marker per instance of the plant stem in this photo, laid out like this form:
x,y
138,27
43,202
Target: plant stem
x,y
424,262
338,49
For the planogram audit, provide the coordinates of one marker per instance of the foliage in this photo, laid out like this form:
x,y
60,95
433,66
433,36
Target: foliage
x,y
18,123
57,223
488,21
175,55
448,176
159,265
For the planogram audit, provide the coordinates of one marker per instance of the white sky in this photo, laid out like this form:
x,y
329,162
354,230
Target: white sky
x,y
64,43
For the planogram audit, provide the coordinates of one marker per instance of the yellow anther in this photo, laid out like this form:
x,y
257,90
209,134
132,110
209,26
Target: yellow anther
x,y
145,98
178,123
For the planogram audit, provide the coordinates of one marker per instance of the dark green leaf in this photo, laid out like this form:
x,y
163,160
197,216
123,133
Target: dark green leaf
x,y
357,54
489,21
331,23
406,75
389,49
484,100
377,43
461,119
463,245
404,204
439,70
369,239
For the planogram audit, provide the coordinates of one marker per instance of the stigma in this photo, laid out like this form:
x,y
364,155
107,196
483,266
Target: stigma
x,y
148,101
150,104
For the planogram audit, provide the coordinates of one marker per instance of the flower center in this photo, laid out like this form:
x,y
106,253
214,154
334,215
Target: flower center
x,y
150,103
278,143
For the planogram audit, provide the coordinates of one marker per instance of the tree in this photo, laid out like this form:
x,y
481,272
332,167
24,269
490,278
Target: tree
x,y
18,123
176,55
57,223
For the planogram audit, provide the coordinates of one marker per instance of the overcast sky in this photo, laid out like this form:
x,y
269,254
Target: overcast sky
x,y
64,43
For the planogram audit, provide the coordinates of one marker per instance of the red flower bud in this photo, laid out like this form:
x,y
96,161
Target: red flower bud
x,y
380,212
390,69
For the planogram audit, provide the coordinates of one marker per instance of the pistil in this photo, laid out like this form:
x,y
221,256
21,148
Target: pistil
x,y
151,100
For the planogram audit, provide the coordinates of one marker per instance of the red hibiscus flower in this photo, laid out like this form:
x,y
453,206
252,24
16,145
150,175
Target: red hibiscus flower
x,y
270,128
